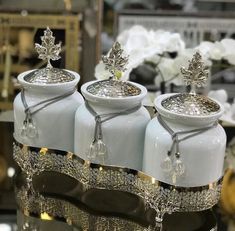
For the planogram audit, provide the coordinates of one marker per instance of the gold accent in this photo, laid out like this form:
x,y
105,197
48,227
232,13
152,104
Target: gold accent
x,y
43,151
196,74
115,62
26,212
45,216
70,155
228,196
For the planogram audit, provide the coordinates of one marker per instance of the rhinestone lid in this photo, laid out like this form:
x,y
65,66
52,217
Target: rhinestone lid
x,y
49,76
115,62
113,88
191,103
188,104
48,50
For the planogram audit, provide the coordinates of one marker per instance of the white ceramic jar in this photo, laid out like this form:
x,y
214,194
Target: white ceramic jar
x,y
55,123
122,135
201,156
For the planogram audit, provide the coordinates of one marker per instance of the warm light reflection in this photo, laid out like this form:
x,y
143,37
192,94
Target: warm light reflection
x,y
45,216
153,180
43,151
10,172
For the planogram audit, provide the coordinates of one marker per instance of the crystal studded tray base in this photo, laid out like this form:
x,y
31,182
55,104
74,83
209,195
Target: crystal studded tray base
x,y
62,198
156,195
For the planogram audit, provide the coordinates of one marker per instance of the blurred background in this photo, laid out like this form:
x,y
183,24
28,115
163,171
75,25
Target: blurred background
x,y
87,29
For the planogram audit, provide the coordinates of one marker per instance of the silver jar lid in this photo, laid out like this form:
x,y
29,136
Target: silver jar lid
x,y
115,62
189,104
48,50
49,76
113,88
192,103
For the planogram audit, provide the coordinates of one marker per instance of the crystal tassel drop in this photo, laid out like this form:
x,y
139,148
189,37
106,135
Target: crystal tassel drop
x,y
92,152
101,152
179,168
23,130
166,164
31,130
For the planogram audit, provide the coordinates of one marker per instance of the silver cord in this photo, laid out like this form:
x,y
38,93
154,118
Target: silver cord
x,y
175,135
33,109
100,119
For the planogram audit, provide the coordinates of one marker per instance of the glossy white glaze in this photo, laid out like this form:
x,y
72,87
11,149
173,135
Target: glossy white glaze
x,y
202,155
123,135
55,123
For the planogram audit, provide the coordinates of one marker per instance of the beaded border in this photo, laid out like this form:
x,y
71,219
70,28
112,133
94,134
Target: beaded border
x,y
162,197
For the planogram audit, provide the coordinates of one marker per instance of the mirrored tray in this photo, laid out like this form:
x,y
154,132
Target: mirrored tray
x,y
54,197
154,195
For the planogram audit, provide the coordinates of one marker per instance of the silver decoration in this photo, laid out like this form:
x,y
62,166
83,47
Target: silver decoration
x,y
115,61
35,204
190,103
48,50
113,88
197,73
49,76
161,197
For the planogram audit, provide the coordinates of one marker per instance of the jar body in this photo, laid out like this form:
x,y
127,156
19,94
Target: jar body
x,y
54,123
122,135
202,155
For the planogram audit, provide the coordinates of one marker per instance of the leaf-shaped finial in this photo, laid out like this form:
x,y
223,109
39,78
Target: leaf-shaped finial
x,y
115,61
48,50
196,74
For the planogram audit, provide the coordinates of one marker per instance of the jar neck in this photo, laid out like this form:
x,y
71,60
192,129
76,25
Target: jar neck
x,y
47,91
106,107
184,122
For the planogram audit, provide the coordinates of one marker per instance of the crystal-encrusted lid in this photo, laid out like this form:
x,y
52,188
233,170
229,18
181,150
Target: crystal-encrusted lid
x,y
49,76
115,62
113,88
191,103
48,50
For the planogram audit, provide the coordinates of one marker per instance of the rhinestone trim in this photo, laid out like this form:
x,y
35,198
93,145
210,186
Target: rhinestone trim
x,y
190,104
162,197
34,204
113,88
49,76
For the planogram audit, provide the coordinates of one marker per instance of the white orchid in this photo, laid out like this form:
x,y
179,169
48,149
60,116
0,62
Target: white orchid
x,y
166,69
229,46
156,47
100,72
210,50
142,44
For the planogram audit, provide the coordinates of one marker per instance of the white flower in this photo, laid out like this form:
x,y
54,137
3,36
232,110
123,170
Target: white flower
x,y
153,59
217,51
229,46
173,43
135,38
182,60
100,71
220,95
166,68
142,44
139,44
210,50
